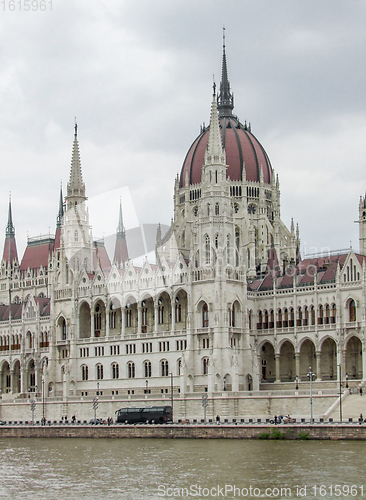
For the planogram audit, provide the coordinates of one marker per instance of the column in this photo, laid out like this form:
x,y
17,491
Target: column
x,y
139,317
173,316
107,322
277,360
123,321
23,379
297,364
156,318
12,382
318,366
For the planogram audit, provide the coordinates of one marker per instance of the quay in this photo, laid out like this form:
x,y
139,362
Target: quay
x,y
316,431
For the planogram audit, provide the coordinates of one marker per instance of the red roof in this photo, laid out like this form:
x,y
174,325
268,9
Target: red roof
x,y
10,250
36,255
241,148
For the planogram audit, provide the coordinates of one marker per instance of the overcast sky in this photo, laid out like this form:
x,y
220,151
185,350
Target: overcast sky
x,y
137,74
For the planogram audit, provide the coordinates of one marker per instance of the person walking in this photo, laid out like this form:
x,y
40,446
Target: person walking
x,y
217,419
360,419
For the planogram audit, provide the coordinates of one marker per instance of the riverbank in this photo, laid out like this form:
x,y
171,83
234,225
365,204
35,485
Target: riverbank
x,y
189,431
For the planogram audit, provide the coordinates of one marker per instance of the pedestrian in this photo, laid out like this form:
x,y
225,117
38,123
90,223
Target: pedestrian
x,y
275,419
360,419
73,419
217,419
360,391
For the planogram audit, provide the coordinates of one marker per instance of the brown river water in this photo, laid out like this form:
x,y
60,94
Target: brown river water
x,y
144,469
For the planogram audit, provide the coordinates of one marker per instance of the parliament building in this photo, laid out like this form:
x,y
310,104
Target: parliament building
x,y
228,307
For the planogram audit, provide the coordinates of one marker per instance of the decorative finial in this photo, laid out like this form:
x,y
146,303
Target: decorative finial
x,y
75,128
214,85
223,38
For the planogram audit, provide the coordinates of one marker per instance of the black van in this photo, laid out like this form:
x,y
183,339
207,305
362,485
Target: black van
x,y
145,415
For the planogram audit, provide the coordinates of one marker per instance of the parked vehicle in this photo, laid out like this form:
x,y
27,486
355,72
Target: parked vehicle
x,y
97,421
145,414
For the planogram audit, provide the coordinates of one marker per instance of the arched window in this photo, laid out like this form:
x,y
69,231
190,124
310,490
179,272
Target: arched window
x,y
131,370
99,372
161,315
178,313
84,372
312,314
321,315
97,321
115,370
147,369
352,310
63,326
179,366
228,248
207,250
334,314
128,317
164,368
76,236
217,209
205,315
205,366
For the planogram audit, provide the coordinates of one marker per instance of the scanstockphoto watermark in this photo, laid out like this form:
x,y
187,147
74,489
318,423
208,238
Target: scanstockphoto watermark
x,y
233,491
26,5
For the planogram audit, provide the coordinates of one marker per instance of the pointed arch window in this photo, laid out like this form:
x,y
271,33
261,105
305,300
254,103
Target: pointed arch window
x,y
352,310
207,250
147,369
100,372
164,368
84,372
217,209
205,363
115,370
205,315
131,369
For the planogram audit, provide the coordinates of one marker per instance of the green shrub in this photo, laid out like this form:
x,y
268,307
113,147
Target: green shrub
x,y
303,435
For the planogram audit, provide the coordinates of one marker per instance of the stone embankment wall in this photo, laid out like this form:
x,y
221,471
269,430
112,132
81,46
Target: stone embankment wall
x,y
321,431
229,405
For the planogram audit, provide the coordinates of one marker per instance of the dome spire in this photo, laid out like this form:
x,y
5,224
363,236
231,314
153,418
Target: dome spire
x,y
75,186
225,98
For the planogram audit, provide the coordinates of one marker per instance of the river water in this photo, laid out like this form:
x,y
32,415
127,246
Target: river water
x,y
144,469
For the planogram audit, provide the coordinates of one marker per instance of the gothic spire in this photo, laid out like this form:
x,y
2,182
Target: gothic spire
x,y
60,209
10,229
120,250
214,152
10,254
225,98
75,186
120,228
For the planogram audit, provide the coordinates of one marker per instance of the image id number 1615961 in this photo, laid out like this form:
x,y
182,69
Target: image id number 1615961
x,y
26,5
337,490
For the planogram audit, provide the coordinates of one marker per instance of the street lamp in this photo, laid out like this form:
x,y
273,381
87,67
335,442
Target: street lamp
x,y
171,392
224,382
297,382
340,392
311,374
43,403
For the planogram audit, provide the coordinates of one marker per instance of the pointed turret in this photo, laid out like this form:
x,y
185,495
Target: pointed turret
x,y
225,97
120,251
10,254
60,217
215,153
75,186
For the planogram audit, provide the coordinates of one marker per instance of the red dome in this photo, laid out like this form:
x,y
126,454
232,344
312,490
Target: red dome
x,y
241,148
